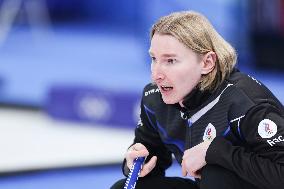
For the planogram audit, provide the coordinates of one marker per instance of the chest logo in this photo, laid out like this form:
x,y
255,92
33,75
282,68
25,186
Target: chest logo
x,y
152,91
184,115
209,133
267,128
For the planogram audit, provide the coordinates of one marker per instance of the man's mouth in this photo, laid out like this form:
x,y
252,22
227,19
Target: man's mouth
x,y
165,88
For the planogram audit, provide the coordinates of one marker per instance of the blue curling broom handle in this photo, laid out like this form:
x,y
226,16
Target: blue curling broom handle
x,y
134,173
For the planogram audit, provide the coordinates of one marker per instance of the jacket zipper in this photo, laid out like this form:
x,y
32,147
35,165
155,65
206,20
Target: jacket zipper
x,y
188,138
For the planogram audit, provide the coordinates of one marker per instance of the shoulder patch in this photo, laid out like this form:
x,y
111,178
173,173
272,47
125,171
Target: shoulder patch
x,y
267,128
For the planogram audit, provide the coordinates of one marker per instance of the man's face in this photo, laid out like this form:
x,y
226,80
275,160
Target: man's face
x,y
176,69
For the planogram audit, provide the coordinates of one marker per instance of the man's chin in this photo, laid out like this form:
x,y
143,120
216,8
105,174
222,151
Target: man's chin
x,y
169,101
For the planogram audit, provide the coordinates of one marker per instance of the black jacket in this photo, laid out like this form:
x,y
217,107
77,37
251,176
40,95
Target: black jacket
x,y
242,117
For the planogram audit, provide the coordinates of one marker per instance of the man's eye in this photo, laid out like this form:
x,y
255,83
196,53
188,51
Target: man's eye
x,y
153,59
171,61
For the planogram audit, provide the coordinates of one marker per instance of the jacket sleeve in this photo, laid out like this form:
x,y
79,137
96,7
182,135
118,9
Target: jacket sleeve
x,y
146,134
261,160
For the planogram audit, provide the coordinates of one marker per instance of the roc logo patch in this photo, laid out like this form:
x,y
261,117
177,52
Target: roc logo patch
x,y
267,128
209,133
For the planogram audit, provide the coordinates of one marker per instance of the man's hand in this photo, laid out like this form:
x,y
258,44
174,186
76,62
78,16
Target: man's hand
x,y
194,159
139,150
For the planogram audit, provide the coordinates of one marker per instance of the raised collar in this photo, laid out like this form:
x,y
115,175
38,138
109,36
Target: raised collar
x,y
195,99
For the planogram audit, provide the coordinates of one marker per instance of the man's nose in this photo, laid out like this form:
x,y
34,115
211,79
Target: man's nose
x,y
157,73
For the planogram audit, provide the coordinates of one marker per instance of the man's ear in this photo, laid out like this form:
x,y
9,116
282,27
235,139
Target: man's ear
x,y
208,62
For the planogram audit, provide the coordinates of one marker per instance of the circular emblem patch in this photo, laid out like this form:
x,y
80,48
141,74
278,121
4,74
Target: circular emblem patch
x,y
209,133
267,128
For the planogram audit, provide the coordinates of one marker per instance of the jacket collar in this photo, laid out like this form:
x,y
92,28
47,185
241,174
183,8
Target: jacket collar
x,y
195,99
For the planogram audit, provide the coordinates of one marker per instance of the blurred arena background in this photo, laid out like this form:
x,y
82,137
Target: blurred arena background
x,y
71,74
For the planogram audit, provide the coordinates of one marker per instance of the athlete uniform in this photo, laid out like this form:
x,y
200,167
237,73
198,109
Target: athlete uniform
x,y
242,118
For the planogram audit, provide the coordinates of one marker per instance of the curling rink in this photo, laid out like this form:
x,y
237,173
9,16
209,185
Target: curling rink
x,y
42,151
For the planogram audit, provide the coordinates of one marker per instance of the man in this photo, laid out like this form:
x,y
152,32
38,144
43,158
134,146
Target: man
x,y
225,128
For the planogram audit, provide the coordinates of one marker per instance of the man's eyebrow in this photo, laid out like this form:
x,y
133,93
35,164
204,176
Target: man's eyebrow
x,y
169,55
164,55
